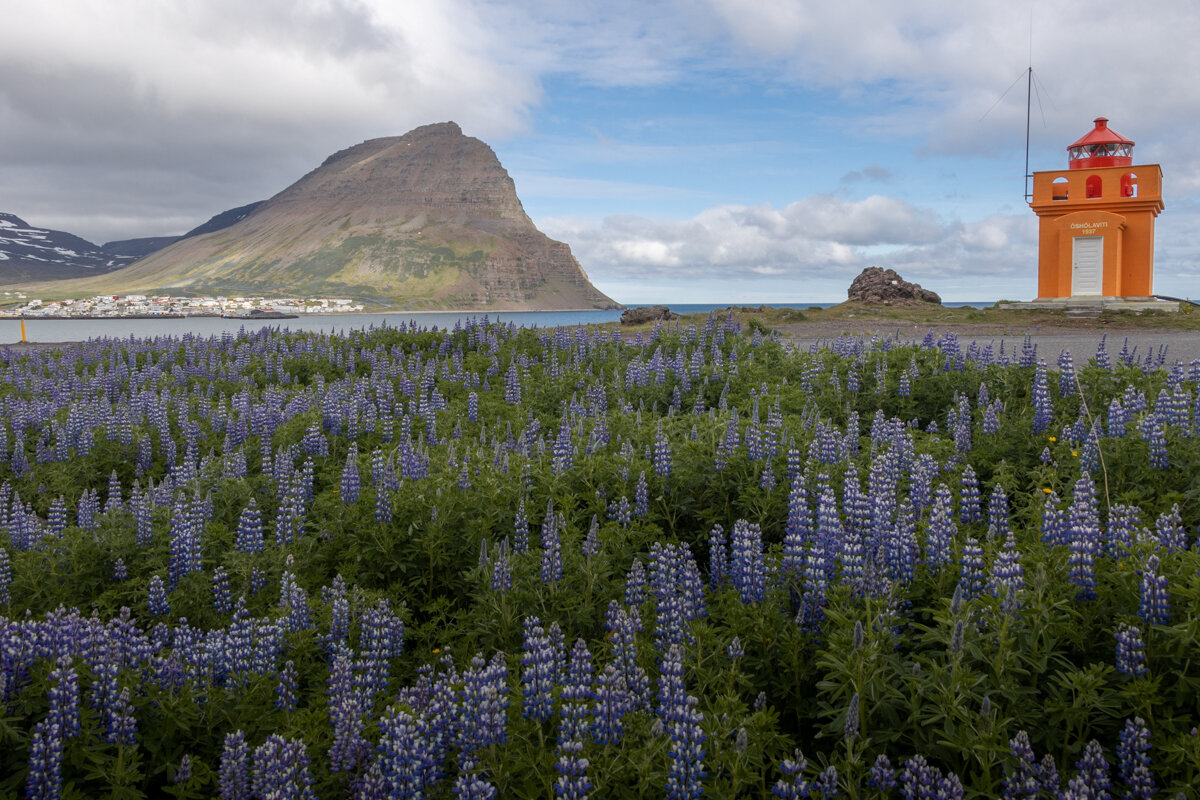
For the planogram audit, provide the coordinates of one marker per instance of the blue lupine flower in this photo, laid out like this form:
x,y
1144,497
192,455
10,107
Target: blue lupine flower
x,y
520,529
1133,758
1093,776
883,777
551,571
538,671
346,704
285,687
1043,406
641,497
1131,650
718,557
746,562
1155,605
233,776
281,770
502,578
613,702
682,719
793,786
350,480
44,781
157,601
221,593
576,698
969,501
971,577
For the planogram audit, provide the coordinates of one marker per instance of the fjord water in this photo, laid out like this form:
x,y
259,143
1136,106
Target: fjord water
x,y
78,330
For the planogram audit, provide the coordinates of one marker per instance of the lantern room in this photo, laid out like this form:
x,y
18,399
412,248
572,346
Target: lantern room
x,y
1096,220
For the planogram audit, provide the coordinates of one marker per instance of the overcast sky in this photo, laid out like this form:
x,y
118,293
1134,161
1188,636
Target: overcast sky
x,y
687,150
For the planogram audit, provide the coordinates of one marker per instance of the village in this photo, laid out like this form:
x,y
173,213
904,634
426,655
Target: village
x,y
139,305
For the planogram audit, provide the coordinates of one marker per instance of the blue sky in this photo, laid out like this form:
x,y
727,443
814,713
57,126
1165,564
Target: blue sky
x,y
687,150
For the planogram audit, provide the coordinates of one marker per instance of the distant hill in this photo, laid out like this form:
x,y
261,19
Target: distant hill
x,y
39,254
28,253
429,219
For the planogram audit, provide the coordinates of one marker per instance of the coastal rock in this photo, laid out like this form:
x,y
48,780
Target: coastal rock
x,y
885,287
644,314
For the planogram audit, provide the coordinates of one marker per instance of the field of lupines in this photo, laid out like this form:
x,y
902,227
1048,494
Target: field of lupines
x,y
495,562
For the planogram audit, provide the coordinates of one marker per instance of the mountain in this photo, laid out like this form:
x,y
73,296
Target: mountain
x,y
39,254
140,248
28,254
427,220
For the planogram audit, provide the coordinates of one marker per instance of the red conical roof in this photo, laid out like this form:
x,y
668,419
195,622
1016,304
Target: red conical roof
x,y
1100,147
1101,134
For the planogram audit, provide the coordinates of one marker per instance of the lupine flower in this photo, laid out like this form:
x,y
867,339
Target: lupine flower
x,y
233,776
44,781
222,599
1133,758
882,777
520,529
576,697
591,542
502,579
551,547
281,770
538,670
641,497
1093,776
1155,605
157,602
735,649
1043,406
793,786
971,577
746,562
969,501
285,688
1131,650
682,719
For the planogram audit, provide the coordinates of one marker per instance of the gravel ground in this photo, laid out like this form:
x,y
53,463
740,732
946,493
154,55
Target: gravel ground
x,y
1181,345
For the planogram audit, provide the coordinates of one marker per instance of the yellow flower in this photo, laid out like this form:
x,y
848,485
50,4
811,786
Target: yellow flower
x,y
1053,439
1074,453
1046,490
437,650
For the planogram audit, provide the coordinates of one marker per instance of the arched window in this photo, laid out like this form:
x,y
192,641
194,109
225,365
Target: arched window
x,y
1095,186
1129,185
1059,189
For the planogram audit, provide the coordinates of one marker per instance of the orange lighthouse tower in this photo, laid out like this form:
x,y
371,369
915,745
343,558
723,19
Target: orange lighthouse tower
x,y
1096,221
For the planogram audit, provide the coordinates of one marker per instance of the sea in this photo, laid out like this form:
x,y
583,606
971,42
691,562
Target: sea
x,y
79,330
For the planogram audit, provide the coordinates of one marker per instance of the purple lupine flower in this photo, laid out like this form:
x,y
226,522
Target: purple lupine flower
x,y
793,786
183,773
625,624
883,777
1133,758
221,594
746,568
1043,406
971,577
735,649
661,458
520,529
1170,532
1084,537
551,546
1054,520
483,710
641,497
5,578
350,481
157,601
591,542
538,671
233,776
681,717
613,702
1131,650
502,578
941,530
1155,605
347,704
969,498
576,698
1007,573
826,782
1048,780
635,583
407,752
1093,776
285,687
281,770
44,781
1020,780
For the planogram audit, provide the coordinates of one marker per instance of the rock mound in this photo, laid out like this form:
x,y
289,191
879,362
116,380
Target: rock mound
x,y
640,316
886,287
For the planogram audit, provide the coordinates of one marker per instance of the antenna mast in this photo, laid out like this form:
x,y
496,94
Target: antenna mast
x,y
1028,92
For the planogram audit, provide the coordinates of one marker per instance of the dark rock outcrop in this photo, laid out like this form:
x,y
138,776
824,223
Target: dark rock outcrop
x,y
885,287
644,314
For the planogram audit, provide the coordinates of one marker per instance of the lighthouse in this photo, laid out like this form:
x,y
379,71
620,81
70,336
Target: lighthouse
x,y
1096,221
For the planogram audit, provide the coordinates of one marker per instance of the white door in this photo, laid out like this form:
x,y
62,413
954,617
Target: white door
x,y
1087,265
